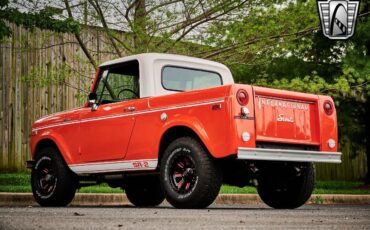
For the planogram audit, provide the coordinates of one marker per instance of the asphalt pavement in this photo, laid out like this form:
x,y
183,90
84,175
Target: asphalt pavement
x,y
166,217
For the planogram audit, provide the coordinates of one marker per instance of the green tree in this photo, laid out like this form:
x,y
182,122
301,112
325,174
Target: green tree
x,y
43,19
283,47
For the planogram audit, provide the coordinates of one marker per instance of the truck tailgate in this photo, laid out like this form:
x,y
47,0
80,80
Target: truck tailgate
x,y
286,117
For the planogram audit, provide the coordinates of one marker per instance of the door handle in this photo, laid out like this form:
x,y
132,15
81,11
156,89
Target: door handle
x,y
129,109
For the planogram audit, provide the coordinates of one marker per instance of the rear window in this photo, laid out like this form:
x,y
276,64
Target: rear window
x,y
184,79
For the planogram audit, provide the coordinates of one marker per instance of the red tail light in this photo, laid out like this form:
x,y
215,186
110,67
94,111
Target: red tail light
x,y
328,107
242,97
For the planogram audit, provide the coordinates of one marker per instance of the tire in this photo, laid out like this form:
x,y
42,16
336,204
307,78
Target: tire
x,y
53,184
189,176
286,185
144,191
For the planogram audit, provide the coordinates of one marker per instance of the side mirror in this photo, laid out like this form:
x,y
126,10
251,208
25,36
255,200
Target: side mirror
x,y
93,101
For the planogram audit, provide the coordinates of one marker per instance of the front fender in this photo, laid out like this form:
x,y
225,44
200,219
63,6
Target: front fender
x,y
54,137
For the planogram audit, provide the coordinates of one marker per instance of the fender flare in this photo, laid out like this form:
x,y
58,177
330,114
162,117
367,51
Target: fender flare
x,y
193,124
57,139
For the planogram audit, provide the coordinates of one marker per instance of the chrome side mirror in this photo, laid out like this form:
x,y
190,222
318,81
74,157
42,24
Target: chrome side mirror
x,y
94,106
93,101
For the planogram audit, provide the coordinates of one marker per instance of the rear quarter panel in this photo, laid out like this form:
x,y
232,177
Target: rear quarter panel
x,y
328,125
195,110
239,124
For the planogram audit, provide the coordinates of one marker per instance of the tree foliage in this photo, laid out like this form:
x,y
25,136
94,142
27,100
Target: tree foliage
x,y
306,62
43,19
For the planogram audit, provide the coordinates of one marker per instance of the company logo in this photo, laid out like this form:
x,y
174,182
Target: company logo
x,y
338,18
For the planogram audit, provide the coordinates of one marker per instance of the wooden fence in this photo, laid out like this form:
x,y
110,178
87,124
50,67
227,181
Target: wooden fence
x,y
26,94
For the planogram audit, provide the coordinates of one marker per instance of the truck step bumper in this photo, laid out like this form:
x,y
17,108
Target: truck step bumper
x,y
288,155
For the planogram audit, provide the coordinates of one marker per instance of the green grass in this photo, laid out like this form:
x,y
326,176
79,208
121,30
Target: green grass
x,y
102,188
340,187
236,190
20,182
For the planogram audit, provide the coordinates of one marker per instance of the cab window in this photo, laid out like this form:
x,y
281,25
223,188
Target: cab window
x,y
184,79
118,83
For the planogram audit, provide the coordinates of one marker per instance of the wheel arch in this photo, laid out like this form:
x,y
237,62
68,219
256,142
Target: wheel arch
x,y
49,142
174,133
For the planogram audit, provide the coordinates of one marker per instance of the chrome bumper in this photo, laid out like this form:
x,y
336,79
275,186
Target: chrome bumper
x,y
288,155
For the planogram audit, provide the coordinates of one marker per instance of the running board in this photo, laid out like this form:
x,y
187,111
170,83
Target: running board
x,y
288,155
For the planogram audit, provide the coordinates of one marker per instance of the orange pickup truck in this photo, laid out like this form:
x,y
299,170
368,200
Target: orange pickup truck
x,y
172,127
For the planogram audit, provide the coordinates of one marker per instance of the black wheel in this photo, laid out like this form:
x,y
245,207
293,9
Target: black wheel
x,y
53,184
144,191
189,176
286,185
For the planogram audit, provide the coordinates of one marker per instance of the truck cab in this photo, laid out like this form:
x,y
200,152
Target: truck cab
x,y
172,127
162,74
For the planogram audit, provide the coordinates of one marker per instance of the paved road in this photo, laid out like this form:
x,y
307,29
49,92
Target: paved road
x,y
164,217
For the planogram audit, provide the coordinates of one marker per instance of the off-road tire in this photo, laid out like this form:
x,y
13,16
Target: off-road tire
x,y
144,191
282,186
63,183
205,180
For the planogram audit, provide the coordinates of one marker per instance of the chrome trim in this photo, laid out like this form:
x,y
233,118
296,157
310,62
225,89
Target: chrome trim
x,y
288,155
202,103
129,109
115,166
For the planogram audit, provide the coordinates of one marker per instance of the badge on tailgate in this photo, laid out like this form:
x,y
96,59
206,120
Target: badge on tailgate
x,y
282,104
282,118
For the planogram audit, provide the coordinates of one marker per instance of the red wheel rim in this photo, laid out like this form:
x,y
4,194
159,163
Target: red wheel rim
x,y
45,178
183,176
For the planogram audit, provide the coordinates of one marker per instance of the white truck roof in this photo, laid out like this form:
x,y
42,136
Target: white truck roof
x,y
151,64
159,56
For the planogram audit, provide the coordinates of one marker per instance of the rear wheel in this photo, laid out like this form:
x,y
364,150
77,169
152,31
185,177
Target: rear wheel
x,y
53,184
144,191
189,176
286,185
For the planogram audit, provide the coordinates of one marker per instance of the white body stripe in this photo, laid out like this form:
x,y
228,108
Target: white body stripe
x,y
131,114
116,166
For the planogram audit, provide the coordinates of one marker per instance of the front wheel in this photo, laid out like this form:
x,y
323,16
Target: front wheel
x,y
189,175
53,184
286,185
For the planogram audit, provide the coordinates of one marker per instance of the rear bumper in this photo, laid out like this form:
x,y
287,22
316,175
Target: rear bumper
x,y
288,155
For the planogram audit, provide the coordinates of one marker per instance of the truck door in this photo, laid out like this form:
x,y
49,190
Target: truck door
x,y
106,130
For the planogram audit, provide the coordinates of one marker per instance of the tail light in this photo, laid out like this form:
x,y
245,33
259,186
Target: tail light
x,y
328,107
242,97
